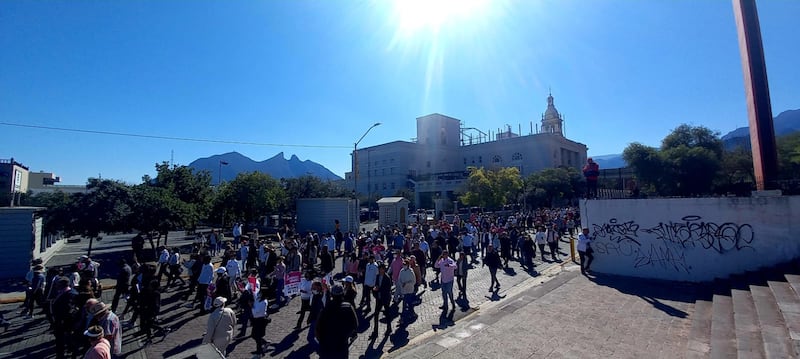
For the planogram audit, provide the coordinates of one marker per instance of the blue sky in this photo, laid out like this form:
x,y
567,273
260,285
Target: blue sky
x,y
321,72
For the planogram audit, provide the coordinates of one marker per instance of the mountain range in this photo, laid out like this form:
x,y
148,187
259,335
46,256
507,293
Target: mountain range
x,y
278,167
785,123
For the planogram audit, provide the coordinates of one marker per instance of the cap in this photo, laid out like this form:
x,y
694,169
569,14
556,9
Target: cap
x,y
348,279
221,270
220,301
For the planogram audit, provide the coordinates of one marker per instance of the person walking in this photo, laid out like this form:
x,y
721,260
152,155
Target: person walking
x,y
585,251
123,283
175,268
336,326
552,242
383,297
447,266
106,319
493,261
370,275
541,241
462,267
305,298
260,321
406,284
220,326
205,279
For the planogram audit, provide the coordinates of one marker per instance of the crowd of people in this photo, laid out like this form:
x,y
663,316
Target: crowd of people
x,y
380,270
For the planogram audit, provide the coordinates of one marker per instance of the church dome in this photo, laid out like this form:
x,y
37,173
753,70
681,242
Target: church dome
x,y
551,112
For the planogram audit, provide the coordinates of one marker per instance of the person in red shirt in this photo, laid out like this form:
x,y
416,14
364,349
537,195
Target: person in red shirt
x,y
591,171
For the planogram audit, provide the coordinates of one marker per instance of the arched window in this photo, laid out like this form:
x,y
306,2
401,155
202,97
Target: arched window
x,y
516,157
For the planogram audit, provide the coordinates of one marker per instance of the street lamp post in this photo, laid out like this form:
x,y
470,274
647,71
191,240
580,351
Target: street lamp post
x,y
355,158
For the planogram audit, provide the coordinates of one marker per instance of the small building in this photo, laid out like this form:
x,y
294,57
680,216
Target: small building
x,y
320,215
392,210
21,240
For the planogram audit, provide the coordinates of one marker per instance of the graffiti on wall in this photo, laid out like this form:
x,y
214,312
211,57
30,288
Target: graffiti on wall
x,y
674,238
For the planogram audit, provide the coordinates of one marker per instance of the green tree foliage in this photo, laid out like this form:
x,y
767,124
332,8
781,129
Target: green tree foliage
x,y
686,164
546,187
58,215
491,188
789,155
178,197
309,187
249,197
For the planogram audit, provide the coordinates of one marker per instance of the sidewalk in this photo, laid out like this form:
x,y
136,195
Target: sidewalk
x,y
570,316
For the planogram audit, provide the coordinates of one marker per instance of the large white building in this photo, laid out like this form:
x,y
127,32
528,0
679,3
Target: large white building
x,y
434,166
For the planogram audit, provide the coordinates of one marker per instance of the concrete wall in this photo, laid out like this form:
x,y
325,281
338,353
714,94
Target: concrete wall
x,y
319,214
692,239
16,242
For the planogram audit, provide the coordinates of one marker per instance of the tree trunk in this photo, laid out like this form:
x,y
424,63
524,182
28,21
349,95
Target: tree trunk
x,y
91,241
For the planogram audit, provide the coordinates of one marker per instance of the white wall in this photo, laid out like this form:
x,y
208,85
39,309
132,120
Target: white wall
x,y
692,239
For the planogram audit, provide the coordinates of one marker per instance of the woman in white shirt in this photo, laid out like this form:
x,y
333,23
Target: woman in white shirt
x,y
260,321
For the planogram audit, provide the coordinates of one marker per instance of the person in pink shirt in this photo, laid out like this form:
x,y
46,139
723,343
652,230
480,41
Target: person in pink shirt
x,y
394,270
101,348
448,267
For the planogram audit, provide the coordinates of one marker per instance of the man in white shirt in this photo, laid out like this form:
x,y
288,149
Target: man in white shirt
x,y
237,234
163,262
541,240
552,241
585,251
370,274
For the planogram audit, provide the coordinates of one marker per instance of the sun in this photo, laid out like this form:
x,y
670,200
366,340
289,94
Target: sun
x,y
415,16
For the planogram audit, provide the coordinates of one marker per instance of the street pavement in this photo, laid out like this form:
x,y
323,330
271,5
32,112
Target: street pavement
x,y
571,316
30,336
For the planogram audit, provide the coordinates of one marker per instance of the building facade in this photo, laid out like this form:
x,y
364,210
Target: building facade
x,y
13,181
435,165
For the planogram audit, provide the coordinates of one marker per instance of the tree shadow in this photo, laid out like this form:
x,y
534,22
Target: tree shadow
x,y
653,291
183,347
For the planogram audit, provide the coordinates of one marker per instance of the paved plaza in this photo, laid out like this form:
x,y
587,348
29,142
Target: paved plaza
x,y
31,336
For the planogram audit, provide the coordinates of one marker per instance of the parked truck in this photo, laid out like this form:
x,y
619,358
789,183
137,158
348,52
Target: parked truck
x,y
320,215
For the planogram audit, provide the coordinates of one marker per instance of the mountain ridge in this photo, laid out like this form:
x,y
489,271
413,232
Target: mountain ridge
x,y
276,166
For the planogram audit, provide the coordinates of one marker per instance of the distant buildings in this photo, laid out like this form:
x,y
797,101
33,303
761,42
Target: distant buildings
x,y
13,180
434,165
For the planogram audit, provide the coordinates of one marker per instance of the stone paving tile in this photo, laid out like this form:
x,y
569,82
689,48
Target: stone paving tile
x,y
579,319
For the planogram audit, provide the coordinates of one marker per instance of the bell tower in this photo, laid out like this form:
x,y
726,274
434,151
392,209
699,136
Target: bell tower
x,y
552,121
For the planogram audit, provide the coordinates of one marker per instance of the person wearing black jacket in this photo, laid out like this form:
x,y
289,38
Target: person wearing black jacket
x,y
383,298
336,325
149,308
493,261
326,260
123,283
63,313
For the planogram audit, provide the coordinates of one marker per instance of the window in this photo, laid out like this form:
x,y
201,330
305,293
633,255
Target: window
x,y
392,185
497,159
384,185
391,171
516,157
480,159
465,160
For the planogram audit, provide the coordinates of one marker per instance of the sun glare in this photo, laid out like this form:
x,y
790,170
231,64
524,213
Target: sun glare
x,y
415,16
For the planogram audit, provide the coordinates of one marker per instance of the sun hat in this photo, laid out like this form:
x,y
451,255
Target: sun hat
x,y
220,301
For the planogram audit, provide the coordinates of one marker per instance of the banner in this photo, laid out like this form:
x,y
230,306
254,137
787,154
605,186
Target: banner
x,y
291,283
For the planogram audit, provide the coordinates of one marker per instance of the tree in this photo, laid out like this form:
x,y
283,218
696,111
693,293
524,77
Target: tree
x,y
491,188
60,207
178,197
549,185
309,187
789,155
249,197
105,208
686,164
